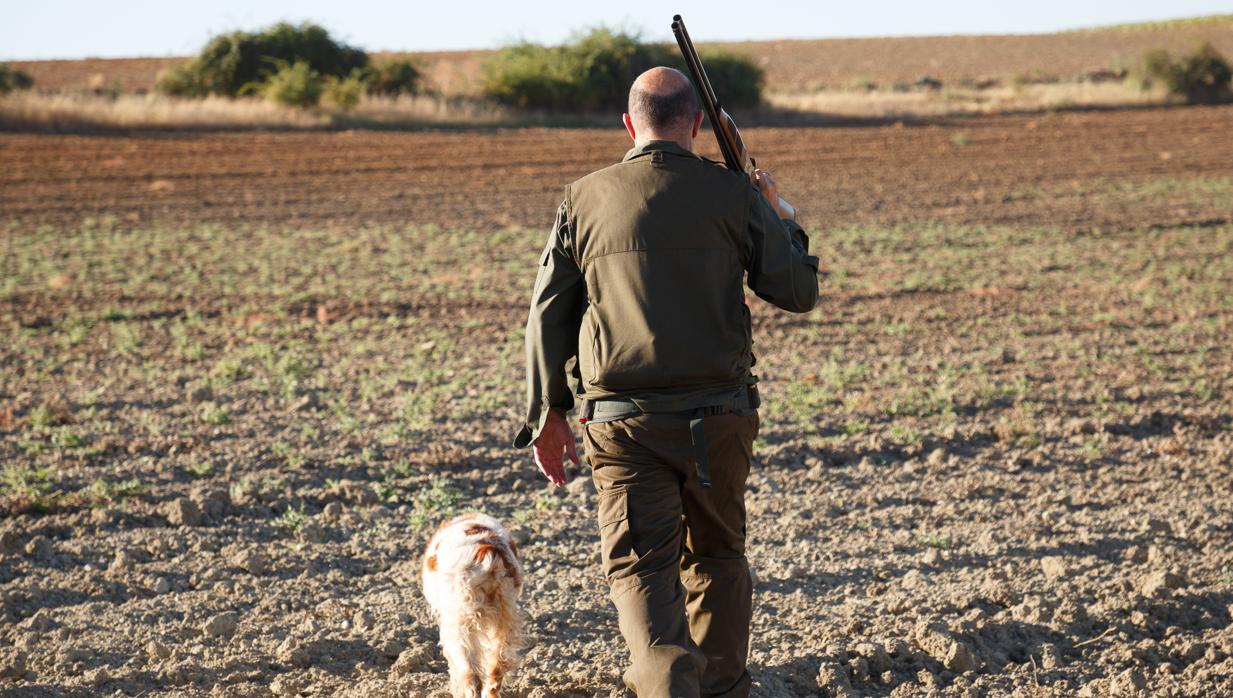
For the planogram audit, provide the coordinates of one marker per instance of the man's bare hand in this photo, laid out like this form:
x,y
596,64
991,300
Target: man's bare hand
x,y
555,436
770,192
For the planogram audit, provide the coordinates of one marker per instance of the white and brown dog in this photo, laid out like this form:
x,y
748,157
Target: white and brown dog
x,y
472,578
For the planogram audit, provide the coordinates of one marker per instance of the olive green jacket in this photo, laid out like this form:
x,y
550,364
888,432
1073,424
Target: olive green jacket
x,y
639,292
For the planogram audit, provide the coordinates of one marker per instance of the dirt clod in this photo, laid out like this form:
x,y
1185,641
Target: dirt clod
x,y
183,511
123,561
221,625
157,650
333,511
284,685
40,622
253,561
1160,583
413,659
311,531
959,658
39,547
358,493
1054,567
9,541
833,680
12,662
879,660
1050,656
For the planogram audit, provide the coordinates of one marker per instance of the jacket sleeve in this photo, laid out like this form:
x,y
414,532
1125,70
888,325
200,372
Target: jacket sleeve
x,y
552,329
781,270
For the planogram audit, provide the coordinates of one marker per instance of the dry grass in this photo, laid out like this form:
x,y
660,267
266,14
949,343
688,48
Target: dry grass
x,y
64,112
75,111
952,101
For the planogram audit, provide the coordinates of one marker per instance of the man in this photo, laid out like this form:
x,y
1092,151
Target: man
x,y
639,298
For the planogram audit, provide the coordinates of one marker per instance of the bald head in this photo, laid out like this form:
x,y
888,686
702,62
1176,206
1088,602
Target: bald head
x,y
662,102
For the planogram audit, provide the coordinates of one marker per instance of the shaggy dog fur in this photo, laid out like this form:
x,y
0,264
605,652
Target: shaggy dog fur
x,y
472,578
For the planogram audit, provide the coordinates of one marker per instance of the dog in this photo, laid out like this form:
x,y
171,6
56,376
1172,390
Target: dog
x,y
472,577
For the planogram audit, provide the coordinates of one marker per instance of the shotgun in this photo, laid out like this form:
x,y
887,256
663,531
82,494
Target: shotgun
x,y
736,157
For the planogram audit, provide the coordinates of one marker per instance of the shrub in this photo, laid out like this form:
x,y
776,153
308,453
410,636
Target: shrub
x,y
737,80
594,73
345,93
529,76
13,79
1202,77
393,78
232,63
294,84
182,80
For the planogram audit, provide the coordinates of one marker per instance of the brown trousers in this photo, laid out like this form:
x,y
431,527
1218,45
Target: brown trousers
x,y
674,551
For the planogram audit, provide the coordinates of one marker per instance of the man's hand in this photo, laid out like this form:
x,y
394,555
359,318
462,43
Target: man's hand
x,y
555,436
770,192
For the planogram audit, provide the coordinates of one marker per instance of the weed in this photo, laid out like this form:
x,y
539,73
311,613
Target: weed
x,y
242,488
212,413
103,491
288,455
199,469
291,519
77,329
1029,440
434,503
66,440
853,427
42,418
904,434
959,138
230,369
941,541
547,502
30,482
1092,451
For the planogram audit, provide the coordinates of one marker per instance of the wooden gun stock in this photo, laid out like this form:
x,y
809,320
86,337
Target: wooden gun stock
x,y
735,155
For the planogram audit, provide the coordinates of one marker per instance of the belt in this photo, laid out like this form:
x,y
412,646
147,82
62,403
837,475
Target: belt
x,y
610,410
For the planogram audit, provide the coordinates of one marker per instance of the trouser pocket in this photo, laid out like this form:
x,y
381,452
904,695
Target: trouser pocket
x,y
616,541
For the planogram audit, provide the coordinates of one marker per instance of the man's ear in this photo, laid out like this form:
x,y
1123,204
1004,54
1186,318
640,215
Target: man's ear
x,y
629,126
697,124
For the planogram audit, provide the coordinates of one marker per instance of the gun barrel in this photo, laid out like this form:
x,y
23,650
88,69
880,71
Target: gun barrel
x,y
710,103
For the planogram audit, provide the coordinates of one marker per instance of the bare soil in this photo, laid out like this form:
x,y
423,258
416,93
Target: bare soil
x,y
244,374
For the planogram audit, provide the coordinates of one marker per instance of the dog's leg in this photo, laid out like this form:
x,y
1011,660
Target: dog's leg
x,y
460,655
504,641
496,665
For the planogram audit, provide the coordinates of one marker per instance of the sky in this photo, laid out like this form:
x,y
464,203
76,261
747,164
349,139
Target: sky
x,y
35,29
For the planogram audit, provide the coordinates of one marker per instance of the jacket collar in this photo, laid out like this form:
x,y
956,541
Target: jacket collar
x,y
653,146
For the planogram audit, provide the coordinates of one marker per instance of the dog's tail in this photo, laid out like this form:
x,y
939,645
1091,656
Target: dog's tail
x,y
497,559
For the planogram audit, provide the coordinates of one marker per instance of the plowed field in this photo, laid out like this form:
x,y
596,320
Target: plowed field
x,y
1062,170
243,375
